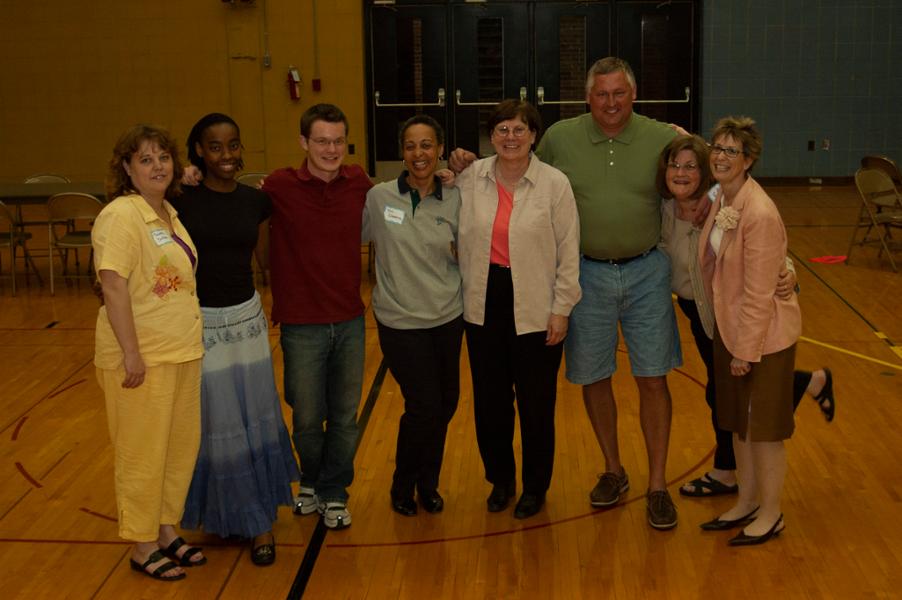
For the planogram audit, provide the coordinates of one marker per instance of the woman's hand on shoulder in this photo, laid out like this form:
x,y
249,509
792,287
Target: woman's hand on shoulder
x,y
460,159
446,176
192,176
557,329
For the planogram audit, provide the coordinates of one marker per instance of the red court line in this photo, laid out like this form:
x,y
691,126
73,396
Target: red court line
x,y
29,409
68,387
28,477
491,534
206,543
97,514
18,427
636,498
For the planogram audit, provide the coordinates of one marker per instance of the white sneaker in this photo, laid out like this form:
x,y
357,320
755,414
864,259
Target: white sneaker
x,y
305,502
335,514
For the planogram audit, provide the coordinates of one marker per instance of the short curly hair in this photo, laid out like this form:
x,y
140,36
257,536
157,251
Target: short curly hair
x,y
743,130
698,147
118,183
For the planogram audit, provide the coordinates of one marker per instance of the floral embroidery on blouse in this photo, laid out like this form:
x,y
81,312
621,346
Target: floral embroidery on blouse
x,y
166,278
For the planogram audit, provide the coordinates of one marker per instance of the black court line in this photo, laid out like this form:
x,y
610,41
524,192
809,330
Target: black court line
x,y
799,260
319,534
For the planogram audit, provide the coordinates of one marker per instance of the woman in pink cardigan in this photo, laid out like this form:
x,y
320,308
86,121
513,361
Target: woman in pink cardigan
x,y
742,250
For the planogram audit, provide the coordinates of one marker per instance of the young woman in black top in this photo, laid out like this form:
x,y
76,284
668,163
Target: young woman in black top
x,y
246,465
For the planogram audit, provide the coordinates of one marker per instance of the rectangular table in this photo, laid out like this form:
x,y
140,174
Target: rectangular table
x,y
39,193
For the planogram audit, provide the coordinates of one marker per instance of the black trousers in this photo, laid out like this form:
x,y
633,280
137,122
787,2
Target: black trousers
x,y
426,365
506,366
723,453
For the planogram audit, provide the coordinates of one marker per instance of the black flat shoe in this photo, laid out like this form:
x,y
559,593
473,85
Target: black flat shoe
x,y
723,525
825,399
500,497
264,554
432,502
404,506
528,505
752,540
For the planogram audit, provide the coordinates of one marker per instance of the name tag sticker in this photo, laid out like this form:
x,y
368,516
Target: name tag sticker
x,y
161,237
394,215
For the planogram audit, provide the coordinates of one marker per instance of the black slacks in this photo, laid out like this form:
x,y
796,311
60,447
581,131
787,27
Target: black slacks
x,y
505,366
426,365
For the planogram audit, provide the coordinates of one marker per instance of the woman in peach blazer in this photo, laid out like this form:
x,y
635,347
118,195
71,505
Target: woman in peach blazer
x,y
742,250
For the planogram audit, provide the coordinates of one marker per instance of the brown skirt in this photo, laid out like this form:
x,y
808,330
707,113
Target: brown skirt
x,y
758,405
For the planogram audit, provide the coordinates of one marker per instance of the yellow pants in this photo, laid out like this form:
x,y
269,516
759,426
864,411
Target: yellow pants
x,y
155,430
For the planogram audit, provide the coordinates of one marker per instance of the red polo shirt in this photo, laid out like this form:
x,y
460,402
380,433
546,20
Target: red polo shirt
x,y
315,244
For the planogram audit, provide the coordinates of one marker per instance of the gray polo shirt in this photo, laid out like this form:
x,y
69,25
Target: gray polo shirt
x,y
417,277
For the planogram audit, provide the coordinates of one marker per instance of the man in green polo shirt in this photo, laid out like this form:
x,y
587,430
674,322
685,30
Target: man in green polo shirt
x,y
610,156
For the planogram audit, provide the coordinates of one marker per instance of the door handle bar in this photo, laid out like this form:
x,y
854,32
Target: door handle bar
x,y
439,102
540,96
460,102
680,101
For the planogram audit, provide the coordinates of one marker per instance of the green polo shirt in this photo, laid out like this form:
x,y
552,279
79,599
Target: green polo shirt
x,y
613,180
418,282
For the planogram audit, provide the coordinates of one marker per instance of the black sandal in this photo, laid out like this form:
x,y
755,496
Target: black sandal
x,y
158,572
707,486
171,551
825,399
264,554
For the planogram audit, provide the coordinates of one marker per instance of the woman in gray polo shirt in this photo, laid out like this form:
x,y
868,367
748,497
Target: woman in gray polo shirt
x,y
418,306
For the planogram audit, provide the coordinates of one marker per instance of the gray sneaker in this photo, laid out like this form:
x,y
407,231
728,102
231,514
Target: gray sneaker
x,y
609,488
305,501
335,514
662,514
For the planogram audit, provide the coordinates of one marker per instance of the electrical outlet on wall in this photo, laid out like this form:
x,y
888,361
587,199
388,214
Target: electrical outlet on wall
x,y
825,144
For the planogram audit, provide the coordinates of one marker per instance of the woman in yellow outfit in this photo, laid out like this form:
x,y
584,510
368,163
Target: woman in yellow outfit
x,y
149,348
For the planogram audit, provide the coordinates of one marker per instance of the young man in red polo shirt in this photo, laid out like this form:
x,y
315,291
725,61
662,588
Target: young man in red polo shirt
x,y
315,270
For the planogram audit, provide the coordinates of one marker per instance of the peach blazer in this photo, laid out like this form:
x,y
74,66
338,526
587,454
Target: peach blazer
x,y
742,278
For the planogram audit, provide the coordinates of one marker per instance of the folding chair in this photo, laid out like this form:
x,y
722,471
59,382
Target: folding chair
x,y
68,210
13,237
885,164
881,211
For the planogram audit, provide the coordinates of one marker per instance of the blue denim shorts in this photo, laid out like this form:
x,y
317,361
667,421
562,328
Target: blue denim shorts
x,y
637,296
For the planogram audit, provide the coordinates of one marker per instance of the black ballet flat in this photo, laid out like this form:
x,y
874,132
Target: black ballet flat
x,y
752,540
528,505
825,399
501,496
404,506
723,525
432,502
264,554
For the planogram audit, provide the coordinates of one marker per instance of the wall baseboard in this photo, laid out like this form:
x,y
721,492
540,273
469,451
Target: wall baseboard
x,y
806,181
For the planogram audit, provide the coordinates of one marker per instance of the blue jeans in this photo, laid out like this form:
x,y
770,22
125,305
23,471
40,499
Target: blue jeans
x,y
635,295
323,384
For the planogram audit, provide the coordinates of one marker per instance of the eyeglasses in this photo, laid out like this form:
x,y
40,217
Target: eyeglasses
x,y
728,150
690,167
518,131
323,142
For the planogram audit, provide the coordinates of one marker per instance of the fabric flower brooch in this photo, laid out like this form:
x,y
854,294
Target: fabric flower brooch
x,y
726,218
